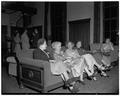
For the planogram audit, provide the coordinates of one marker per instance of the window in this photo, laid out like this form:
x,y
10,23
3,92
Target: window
x,y
58,21
111,20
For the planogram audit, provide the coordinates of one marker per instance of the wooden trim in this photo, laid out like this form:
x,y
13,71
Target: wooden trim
x,y
34,84
85,19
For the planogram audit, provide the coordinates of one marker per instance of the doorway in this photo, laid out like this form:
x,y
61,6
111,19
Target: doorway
x,y
80,31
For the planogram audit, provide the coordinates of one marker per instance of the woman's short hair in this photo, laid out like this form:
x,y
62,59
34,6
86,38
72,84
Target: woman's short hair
x,y
68,43
54,44
78,42
41,42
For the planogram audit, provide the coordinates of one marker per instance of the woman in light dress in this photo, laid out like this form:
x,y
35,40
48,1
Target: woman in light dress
x,y
25,41
59,65
90,60
75,61
106,49
81,64
17,43
17,49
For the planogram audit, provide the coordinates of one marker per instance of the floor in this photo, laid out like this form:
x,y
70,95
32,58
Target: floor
x,y
102,85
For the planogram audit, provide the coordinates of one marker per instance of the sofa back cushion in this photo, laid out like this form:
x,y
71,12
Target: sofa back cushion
x,y
33,62
95,46
114,53
26,53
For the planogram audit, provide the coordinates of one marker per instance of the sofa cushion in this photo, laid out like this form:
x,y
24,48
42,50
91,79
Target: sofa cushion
x,y
26,53
98,57
95,46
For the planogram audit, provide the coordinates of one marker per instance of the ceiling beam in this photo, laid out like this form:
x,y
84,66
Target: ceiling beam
x,y
20,7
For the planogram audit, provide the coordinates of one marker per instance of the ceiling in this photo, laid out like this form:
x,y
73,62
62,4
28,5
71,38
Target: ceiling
x,y
11,7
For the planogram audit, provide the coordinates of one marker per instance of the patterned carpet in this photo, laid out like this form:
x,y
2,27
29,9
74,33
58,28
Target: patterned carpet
x,y
103,85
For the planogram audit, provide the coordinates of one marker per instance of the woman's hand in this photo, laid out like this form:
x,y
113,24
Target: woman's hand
x,y
94,51
52,61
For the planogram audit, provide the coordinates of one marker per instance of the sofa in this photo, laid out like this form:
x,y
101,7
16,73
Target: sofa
x,y
114,55
36,74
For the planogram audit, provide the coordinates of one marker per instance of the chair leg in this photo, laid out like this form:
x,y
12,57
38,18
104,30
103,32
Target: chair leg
x,y
21,86
44,91
10,75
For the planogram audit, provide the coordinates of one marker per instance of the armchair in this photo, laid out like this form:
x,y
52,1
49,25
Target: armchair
x,y
113,55
36,74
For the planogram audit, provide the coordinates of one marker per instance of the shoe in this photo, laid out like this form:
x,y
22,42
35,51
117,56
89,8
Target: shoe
x,y
96,73
107,69
104,74
70,81
81,82
110,67
94,78
102,68
75,88
74,79
67,84
89,77
21,86
64,87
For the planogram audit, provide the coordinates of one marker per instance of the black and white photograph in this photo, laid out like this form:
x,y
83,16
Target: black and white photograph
x,y
60,47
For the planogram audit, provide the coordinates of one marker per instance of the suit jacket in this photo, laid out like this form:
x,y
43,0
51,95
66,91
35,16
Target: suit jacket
x,y
39,54
50,52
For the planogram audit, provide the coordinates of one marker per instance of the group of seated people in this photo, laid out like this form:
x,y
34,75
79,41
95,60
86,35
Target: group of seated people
x,y
70,62
73,62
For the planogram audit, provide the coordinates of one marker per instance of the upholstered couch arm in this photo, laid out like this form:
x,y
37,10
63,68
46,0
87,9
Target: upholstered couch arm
x,y
115,54
11,59
50,81
26,58
30,61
